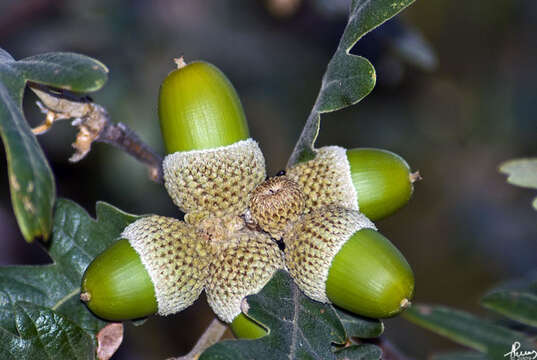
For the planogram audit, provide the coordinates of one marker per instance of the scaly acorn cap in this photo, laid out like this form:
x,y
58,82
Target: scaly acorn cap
x,y
336,255
382,180
199,109
216,181
276,204
325,180
241,265
175,257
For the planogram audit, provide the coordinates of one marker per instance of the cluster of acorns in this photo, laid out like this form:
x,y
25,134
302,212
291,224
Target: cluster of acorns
x,y
240,227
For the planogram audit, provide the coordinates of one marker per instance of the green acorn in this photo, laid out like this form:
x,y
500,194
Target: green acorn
x,y
199,109
336,255
376,182
160,265
212,163
382,180
116,286
245,328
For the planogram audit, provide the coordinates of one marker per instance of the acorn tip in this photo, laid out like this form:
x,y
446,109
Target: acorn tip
x,y
180,62
85,296
415,176
405,303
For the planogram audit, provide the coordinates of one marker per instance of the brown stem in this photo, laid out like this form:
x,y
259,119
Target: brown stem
x,y
415,176
124,138
210,336
94,124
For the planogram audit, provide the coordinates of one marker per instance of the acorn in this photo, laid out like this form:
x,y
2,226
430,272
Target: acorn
x,y
212,164
382,179
376,182
159,266
199,109
116,285
245,328
335,255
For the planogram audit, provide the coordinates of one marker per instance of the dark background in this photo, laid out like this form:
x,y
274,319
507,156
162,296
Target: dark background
x,y
454,109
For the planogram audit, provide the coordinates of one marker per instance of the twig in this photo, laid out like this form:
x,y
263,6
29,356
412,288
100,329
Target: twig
x,y
94,125
122,137
211,336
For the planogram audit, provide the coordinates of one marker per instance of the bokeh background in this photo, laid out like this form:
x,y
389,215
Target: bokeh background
x,y
456,95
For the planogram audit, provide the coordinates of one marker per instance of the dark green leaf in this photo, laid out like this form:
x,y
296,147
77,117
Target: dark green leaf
x,y
517,305
522,172
31,180
360,352
68,71
462,355
467,329
361,327
527,283
44,334
299,327
76,240
348,78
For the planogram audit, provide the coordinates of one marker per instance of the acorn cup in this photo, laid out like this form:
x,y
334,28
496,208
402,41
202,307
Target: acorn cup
x,y
376,182
159,266
241,265
212,163
335,255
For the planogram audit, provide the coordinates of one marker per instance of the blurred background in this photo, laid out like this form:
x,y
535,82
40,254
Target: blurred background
x,y
456,95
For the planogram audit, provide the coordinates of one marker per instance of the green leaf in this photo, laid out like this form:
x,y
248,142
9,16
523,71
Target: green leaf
x,y
348,78
69,71
461,355
299,327
357,326
360,352
44,334
517,305
527,283
31,180
76,240
466,329
522,172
